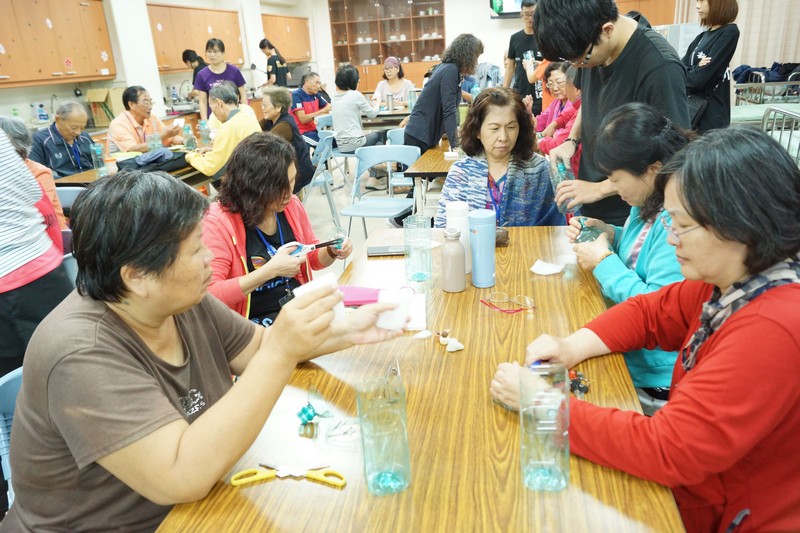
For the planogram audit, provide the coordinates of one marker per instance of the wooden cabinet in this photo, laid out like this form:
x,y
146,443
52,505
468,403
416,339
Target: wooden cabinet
x,y
176,29
658,12
54,41
290,35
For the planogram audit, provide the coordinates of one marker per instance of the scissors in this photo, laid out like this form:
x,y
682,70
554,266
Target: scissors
x,y
252,475
319,474
307,248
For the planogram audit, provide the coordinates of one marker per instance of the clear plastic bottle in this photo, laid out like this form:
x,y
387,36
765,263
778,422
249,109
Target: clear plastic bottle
x,y
454,275
174,94
563,173
205,133
154,141
588,233
189,140
98,162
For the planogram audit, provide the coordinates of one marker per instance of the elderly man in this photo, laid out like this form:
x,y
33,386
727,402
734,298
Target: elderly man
x,y
236,125
64,147
307,104
128,132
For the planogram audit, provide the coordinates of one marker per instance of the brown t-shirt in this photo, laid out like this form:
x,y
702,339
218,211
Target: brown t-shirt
x,y
91,387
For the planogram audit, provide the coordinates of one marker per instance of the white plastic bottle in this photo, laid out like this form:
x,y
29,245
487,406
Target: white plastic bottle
x,y
456,217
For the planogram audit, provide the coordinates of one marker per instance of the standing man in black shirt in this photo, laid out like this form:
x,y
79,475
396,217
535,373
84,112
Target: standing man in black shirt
x,y
619,61
521,42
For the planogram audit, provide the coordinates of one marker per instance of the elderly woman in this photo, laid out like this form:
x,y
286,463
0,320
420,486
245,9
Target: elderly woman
x,y
275,104
348,105
254,216
555,78
501,172
634,142
393,83
128,406
20,137
236,125
216,71
726,443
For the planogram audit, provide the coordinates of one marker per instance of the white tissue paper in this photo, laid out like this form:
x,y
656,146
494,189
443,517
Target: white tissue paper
x,y
544,268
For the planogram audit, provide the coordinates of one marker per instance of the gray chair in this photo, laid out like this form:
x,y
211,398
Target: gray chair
x,y
71,266
67,196
9,389
322,176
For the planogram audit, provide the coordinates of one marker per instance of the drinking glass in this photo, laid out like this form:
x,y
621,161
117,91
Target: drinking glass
x,y
417,239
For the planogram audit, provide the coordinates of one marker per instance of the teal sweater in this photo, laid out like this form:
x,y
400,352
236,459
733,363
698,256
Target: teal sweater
x,y
655,268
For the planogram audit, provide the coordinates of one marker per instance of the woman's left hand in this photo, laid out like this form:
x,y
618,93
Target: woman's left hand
x,y
591,253
505,385
703,62
344,251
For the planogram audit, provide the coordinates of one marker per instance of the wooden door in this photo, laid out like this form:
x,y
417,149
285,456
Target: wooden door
x,y
14,64
299,36
370,76
226,27
164,38
275,31
182,33
624,6
95,31
73,53
198,28
39,39
415,71
658,12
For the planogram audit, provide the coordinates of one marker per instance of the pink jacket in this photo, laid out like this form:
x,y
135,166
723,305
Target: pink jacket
x,y
551,113
224,234
564,123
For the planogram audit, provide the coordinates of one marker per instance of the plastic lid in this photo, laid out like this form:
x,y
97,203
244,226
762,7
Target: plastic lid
x,y
452,233
457,209
482,217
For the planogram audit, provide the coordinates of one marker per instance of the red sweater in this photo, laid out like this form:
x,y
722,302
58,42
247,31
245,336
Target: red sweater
x,y
728,438
224,234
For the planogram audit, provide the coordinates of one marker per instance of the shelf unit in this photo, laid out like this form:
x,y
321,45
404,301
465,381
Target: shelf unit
x,y
364,33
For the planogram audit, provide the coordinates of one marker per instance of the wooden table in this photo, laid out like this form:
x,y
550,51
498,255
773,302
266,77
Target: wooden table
x,y
188,175
464,449
430,165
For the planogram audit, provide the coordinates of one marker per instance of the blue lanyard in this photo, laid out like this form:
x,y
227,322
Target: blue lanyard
x,y
271,249
75,158
76,151
495,195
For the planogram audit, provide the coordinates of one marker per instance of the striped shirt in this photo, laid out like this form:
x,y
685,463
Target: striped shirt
x,y
23,236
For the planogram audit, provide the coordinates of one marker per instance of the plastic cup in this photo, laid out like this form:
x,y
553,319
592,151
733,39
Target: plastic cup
x,y
417,239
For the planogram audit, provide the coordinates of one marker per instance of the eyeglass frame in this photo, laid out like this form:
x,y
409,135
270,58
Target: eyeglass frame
x,y
675,233
524,15
586,58
551,85
501,298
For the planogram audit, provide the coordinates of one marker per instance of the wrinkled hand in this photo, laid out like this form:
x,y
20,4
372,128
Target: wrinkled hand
x,y
403,123
528,101
344,250
547,348
591,253
171,131
505,385
574,227
703,62
359,326
564,152
283,264
577,192
304,324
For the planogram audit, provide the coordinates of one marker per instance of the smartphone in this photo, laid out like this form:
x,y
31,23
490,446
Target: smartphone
x,y
377,251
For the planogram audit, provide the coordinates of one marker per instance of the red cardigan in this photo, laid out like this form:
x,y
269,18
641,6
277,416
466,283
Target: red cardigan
x,y
728,438
224,234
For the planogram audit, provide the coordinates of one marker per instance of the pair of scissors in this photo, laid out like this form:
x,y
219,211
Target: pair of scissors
x,y
253,475
319,474
300,248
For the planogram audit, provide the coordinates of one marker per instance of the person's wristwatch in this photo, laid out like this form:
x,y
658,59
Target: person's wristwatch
x,y
575,142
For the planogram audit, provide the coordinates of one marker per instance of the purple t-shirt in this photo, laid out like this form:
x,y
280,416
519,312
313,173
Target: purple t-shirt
x,y
206,79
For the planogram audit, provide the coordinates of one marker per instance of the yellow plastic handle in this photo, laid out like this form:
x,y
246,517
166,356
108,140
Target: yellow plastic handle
x,y
251,475
329,477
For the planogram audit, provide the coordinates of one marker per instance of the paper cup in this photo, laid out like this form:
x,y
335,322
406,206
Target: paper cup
x,y
325,280
397,317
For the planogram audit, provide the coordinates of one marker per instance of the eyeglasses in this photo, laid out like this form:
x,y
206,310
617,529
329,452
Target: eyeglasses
x,y
675,233
586,58
526,15
554,84
145,102
525,303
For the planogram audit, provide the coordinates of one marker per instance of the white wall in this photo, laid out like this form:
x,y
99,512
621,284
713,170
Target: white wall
x,y
473,16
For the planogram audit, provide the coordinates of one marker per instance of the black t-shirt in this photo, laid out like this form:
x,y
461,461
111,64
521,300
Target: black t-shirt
x,y
200,66
713,80
274,66
520,43
264,301
648,70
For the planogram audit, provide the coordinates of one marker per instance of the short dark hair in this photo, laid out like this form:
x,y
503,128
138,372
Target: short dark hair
x,y
563,66
257,176
189,56
307,76
528,3
131,95
633,137
135,219
464,52
721,12
215,43
279,96
565,29
497,97
346,77
744,186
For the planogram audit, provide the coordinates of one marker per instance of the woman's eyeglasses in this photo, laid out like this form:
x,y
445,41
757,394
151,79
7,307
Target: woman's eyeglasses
x,y
497,299
675,233
556,84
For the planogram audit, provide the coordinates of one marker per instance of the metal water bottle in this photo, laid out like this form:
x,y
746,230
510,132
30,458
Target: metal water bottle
x,y
454,277
482,224
456,217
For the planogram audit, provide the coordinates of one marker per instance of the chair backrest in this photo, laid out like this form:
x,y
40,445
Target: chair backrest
x,y
66,240
71,266
324,122
369,156
396,136
67,196
9,389
322,152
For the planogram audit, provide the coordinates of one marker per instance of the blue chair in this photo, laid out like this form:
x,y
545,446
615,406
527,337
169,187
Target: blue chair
x,y
9,388
325,124
322,176
67,195
394,137
369,156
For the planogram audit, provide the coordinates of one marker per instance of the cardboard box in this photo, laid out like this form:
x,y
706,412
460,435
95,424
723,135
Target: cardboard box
x,y
105,104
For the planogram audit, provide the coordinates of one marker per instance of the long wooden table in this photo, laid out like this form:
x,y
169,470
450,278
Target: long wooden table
x,y
430,165
187,174
464,449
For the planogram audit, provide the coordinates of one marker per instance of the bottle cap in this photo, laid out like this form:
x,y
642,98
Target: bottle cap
x,y
482,217
452,233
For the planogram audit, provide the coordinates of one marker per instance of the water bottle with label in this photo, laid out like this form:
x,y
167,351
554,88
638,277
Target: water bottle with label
x,y
562,174
412,99
205,133
174,94
189,140
154,141
98,162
